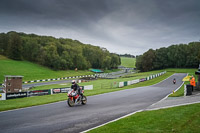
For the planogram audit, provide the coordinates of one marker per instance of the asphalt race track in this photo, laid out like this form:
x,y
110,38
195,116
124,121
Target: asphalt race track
x,y
58,117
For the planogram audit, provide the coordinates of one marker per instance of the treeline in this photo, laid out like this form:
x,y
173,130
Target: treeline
x,y
174,56
57,54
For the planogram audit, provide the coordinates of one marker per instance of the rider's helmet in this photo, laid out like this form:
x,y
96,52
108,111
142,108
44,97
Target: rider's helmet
x,y
73,82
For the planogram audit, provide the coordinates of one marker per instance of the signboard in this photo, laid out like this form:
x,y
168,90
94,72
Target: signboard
x,y
64,90
16,95
60,90
39,92
125,83
135,81
129,82
143,79
2,96
121,84
57,90
88,87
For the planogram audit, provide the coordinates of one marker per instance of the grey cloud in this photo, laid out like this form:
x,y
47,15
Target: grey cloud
x,y
131,26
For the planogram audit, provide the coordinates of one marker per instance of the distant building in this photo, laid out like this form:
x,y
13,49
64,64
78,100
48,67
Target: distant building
x,y
12,83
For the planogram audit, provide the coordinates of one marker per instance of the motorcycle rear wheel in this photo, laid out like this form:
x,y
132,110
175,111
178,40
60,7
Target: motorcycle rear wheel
x,y
84,100
70,102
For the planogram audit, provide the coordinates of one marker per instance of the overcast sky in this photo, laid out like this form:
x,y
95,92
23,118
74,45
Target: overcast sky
x,y
121,26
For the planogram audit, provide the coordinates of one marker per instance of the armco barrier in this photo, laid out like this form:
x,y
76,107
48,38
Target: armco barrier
x,y
42,80
121,84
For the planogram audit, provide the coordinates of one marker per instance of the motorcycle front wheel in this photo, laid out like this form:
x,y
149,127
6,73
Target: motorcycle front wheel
x,y
84,100
70,102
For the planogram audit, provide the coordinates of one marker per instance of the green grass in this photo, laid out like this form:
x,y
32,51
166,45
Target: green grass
x,y
102,84
182,70
183,119
128,62
39,100
32,71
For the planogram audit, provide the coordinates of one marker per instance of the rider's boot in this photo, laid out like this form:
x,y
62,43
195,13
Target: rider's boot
x,y
81,95
78,100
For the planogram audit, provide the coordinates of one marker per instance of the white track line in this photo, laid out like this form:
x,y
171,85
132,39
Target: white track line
x,y
31,107
138,112
173,106
112,121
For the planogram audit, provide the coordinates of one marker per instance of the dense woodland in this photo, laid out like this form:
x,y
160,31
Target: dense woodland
x,y
174,56
57,54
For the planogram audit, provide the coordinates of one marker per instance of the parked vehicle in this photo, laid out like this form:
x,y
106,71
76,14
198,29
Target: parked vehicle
x,y
74,98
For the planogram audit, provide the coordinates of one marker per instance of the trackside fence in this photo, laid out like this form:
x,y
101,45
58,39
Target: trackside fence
x,y
63,78
5,96
126,83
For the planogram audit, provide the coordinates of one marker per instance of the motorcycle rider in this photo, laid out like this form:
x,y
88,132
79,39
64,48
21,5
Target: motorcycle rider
x,y
174,81
76,88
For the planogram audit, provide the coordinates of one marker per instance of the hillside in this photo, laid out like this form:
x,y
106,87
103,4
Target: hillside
x,y
56,53
128,62
32,71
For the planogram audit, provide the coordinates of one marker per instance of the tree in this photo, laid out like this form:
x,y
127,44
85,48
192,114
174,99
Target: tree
x,y
107,63
138,63
147,60
161,59
69,63
3,43
14,46
51,57
115,60
31,49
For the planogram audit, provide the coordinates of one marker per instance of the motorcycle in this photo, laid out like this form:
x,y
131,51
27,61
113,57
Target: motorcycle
x,y
74,98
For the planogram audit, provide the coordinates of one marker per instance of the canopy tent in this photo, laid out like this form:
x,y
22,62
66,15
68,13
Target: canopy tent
x,y
96,70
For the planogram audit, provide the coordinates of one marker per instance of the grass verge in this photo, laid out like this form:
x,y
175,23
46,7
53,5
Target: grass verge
x,y
183,119
32,71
